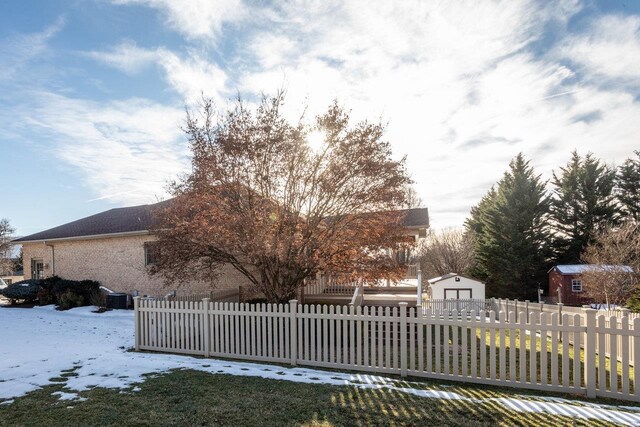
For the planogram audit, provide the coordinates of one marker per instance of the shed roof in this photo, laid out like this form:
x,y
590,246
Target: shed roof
x,y
449,276
582,268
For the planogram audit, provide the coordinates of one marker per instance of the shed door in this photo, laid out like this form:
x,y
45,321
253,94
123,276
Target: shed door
x,y
457,294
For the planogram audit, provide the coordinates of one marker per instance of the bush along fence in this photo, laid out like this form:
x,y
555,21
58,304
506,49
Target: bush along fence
x,y
545,352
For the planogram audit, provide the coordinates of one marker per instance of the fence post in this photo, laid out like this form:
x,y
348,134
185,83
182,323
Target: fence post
x,y
293,330
526,306
590,353
560,319
419,296
205,327
403,338
136,309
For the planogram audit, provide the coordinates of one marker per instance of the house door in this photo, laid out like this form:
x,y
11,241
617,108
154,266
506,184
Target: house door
x,y
457,294
37,269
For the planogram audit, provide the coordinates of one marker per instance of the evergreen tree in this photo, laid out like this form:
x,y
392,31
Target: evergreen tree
x,y
510,224
475,227
628,188
583,203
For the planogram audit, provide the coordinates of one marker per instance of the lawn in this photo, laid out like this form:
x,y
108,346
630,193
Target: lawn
x,y
52,361
189,397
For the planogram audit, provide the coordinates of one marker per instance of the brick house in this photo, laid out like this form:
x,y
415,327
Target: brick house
x,y
113,247
565,283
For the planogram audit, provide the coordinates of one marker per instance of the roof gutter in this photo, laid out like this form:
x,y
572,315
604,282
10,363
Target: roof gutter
x,y
87,237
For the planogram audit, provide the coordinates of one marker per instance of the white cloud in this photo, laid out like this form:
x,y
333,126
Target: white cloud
x,y
609,48
453,79
189,77
465,86
18,50
124,151
196,19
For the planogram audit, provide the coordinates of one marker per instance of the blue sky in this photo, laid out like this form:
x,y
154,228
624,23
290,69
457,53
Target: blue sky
x,y
93,92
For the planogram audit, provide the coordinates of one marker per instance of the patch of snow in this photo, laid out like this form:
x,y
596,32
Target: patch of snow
x,y
68,396
41,344
7,402
574,411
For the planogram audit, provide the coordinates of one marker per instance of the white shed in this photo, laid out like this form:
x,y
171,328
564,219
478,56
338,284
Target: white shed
x,y
454,286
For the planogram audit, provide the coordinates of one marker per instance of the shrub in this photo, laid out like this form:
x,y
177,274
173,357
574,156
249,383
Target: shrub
x,y
70,299
25,290
46,297
70,293
98,299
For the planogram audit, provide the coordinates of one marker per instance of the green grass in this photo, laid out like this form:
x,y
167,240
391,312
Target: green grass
x,y
197,398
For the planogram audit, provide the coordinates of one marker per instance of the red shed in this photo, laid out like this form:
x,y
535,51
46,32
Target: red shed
x,y
565,284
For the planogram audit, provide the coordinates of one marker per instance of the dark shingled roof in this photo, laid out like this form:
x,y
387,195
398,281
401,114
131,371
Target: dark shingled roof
x,y
138,218
118,220
416,217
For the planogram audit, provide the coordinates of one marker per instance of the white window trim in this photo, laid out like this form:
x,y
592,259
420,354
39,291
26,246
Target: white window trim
x,y
574,283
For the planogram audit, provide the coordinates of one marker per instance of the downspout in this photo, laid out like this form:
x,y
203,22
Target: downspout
x,y
53,257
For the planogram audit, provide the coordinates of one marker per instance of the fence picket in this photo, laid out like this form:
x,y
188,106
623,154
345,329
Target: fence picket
x,y
554,349
533,344
613,359
625,355
454,340
473,341
543,348
602,372
502,347
492,345
512,345
483,345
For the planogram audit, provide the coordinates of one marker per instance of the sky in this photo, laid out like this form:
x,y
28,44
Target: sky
x,y
93,93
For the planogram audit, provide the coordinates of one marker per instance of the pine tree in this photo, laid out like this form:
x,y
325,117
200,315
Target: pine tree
x,y
510,224
583,204
628,188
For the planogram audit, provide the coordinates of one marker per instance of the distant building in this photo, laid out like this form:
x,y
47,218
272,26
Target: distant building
x,y
565,283
455,286
12,277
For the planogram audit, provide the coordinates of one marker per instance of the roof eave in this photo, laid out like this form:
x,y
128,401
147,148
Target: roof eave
x,y
86,237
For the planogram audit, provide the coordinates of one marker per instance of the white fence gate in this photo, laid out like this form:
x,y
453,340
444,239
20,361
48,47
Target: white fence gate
x,y
541,353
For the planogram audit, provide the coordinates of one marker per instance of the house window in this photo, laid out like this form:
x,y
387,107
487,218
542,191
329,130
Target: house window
x,y
8,281
576,285
150,253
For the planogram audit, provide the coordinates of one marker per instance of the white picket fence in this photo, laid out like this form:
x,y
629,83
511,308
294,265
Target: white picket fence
x,y
478,348
608,317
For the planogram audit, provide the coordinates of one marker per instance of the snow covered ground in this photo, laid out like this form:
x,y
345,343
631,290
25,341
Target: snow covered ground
x,y
40,344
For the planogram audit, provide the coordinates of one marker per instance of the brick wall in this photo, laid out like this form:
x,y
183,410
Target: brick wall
x,y
118,264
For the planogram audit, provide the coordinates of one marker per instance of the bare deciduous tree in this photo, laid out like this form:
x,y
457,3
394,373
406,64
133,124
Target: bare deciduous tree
x,y
260,199
447,251
607,281
412,198
6,234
